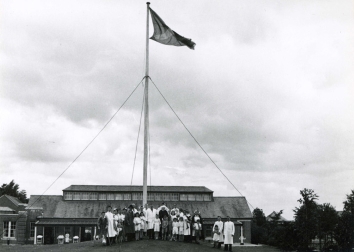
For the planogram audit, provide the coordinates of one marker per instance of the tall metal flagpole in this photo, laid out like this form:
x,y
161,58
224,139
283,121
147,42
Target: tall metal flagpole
x,y
146,110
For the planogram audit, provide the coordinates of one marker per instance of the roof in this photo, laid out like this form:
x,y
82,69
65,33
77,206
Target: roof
x,y
56,207
269,217
14,200
68,221
127,188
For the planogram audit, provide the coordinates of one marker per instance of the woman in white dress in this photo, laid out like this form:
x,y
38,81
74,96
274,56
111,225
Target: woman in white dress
x,y
150,216
218,235
111,233
229,231
187,228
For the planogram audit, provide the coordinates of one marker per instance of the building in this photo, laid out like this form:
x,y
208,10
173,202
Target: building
x,y
76,211
273,217
13,219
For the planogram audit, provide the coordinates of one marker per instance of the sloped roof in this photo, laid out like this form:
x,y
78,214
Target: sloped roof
x,y
14,200
269,217
126,188
56,207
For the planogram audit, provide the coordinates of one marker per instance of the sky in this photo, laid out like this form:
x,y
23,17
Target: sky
x,y
267,92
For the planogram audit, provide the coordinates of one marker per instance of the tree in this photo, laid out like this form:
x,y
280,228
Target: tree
x,y
327,221
306,219
258,217
273,228
12,189
258,226
344,233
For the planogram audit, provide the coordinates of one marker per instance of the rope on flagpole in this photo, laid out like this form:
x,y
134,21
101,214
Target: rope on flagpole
x,y
197,141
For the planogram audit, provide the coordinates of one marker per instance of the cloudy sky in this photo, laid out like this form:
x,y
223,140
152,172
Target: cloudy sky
x,y
268,93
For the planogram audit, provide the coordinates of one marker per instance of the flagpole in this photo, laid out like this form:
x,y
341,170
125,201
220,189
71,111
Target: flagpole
x,y
146,110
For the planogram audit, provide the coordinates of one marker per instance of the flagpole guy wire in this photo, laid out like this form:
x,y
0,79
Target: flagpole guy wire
x,y
197,141
104,126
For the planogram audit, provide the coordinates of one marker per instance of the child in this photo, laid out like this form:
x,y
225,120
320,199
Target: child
x,y
142,225
197,227
120,229
173,215
157,223
216,236
137,222
180,229
164,227
174,229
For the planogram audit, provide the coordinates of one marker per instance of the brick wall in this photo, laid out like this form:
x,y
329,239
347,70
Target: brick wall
x,y
21,227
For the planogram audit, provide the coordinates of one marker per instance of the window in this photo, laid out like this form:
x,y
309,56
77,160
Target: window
x,y
166,196
9,229
150,196
93,196
137,196
207,197
110,196
183,197
119,196
68,196
76,196
102,196
174,196
199,197
127,196
85,196
31,229
158,196
191,197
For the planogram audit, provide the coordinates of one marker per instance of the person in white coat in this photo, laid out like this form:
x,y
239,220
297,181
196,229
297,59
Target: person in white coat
x,y
150,216
218,230
229,231
111,233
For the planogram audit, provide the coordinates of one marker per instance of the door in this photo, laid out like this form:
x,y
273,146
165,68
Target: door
x,y
48,235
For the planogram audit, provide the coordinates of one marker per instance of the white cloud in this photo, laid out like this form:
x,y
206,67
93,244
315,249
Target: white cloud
x,y
267,93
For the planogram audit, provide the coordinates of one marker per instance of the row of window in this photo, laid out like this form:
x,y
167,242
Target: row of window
x,y
136,196
9,229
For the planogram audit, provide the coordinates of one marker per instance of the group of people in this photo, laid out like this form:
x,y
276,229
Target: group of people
x,y
127,224
223,233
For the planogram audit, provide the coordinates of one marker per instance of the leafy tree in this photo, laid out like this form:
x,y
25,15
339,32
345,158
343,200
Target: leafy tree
x,y
258,226
349,203
273,228
306,220
285,236
344,233
327,221
13,189
258,217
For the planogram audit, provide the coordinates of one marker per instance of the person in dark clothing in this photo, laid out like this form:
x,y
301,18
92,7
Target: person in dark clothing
x,y
101,225
196,216
162,213
129,224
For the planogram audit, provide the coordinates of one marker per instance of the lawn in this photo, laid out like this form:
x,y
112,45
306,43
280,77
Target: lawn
x,y
143,246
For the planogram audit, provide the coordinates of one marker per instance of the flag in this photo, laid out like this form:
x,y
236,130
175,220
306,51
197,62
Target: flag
x,y
164,35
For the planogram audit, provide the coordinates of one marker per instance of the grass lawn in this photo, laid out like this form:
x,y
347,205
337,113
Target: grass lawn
x,y
142,246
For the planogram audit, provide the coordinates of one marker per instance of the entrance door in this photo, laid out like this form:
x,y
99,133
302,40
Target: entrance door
x,y
86,233
48,235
